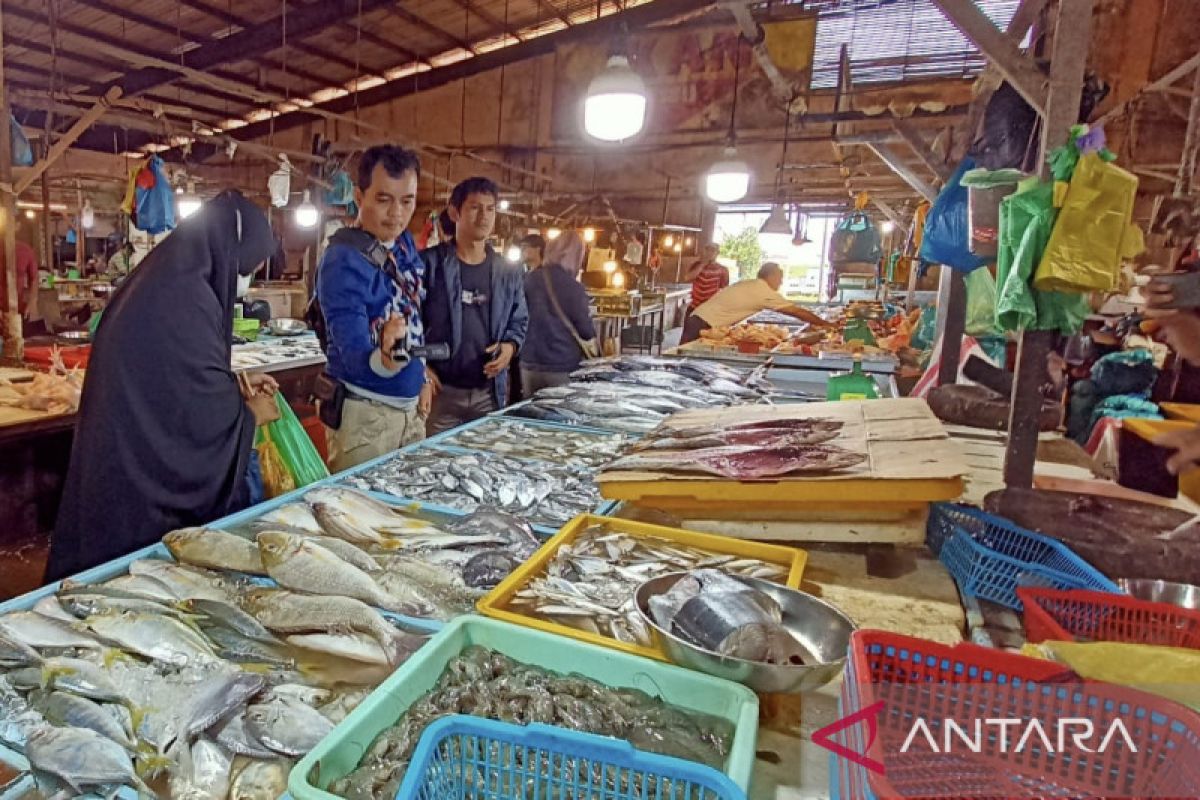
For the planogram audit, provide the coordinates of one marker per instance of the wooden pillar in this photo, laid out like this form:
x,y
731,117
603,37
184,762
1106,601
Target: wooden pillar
x,y
1072,40
14,345
46,231
952,305
80,232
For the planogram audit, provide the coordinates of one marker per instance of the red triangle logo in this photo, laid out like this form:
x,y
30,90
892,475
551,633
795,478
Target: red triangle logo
x,y
870,715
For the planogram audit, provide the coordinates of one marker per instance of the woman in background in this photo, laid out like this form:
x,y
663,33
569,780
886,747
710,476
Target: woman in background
x,y
165,433
560,323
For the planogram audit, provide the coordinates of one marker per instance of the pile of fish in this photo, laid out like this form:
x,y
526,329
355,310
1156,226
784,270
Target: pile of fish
x,y
746,451
590,582
634,394
723,615
559,446
538,491
181,681
270,352
489,684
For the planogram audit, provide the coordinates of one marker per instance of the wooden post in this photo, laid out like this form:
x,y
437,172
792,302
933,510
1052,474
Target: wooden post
x,y
14,344
47,233
952,305
1072,40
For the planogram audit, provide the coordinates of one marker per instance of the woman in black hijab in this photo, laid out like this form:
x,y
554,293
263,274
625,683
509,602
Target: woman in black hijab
x,y
164,434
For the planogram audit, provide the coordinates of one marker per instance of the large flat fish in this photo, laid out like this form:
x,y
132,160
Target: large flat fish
x,y
742,462
757,437
796,424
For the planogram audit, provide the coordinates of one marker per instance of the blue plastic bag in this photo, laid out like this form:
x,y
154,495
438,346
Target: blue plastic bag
x,y
22,152
947,237
155,205
855,241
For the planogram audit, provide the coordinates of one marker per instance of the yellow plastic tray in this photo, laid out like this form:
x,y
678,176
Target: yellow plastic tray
x,y
495,603
1184,411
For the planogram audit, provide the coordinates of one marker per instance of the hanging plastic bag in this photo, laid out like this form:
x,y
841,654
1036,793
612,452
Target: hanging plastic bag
x,y
1026,219
986,188
279,184
855,241
981,303
947,237
22,151
154,202
296,451
1007,139
276,478
1093,231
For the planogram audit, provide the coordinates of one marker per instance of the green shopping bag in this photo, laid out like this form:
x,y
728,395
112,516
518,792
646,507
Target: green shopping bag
x,y
296,451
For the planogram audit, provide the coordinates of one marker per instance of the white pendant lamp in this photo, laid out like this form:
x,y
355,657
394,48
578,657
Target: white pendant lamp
x,y
87,216
615,107
187,203
307,214
777,222
728,180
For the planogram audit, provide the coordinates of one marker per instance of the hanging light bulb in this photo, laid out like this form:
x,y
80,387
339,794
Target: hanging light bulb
x,y
187,202
727,180
589,234
513,253
503,205
687,242
668,240
777,222
888,226
552,233
618,280
30,213
87,216
307,214
615,107
678,247
610,267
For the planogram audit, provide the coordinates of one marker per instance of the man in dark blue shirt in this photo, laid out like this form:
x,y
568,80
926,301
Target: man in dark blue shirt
x,y
372,313
476,304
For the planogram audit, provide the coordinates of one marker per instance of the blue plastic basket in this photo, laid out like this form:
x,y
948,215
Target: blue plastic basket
x,y
991,557
470,758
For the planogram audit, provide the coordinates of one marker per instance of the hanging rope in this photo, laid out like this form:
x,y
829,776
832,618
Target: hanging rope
x,y
737,79
500,104
787,122
357,56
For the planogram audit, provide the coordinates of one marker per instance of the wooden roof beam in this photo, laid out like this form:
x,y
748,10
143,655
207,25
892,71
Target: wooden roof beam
x,y
1005,53
371,38
890,157
488,17
919,146
646,14
401,13
193,38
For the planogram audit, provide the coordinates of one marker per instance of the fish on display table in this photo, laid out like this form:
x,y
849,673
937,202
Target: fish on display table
x,y
560,446
742,462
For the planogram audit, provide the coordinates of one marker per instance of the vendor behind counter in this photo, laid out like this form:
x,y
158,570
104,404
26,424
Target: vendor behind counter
x,y
745,299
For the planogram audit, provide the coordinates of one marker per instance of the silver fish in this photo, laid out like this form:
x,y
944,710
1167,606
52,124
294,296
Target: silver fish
x,y
308,695
158,638
294,517
185,582
229,616
15,653
233,646
346,551
361,519
49,606
349,645
297,563
206,547
41,632
82,759
210,701
79,677
294,613
260,780
233,736
287,727
145,587
66,709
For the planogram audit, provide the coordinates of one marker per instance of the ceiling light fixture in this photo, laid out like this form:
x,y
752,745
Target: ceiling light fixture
x,y
777,222
589,234
728,180
187,203
307,214
615,107
513,253
552,233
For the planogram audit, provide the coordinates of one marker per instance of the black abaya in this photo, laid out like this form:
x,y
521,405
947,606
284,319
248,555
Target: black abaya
x,y
164,437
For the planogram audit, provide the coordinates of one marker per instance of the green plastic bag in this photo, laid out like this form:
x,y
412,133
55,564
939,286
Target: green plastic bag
x,y
297,452
981,302
1026,220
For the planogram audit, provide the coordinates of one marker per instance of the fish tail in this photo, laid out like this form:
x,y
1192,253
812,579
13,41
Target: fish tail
x,y
112,655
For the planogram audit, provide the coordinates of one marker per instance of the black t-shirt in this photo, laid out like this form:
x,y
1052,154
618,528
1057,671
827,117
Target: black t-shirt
x,y
465,367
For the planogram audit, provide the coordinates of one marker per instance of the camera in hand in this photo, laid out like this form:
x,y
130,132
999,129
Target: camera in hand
x,y
438,351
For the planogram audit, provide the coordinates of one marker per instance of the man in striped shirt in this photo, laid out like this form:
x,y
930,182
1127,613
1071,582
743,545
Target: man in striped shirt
x,y
706,276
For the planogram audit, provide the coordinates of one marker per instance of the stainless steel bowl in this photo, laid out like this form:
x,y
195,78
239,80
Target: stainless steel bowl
x,y
286,327
822,631
1183,595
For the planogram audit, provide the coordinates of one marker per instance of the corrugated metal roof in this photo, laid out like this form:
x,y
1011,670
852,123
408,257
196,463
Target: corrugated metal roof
x,y
896,40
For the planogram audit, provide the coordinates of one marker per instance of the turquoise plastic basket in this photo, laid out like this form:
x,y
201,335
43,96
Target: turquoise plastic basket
x,y
991,558
469,758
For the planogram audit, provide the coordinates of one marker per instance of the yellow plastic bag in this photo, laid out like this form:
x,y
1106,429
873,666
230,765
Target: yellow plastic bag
x,y
276,478
1093,231
1170,672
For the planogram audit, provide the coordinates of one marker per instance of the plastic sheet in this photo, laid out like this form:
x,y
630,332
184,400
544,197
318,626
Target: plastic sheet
x,y
297,453
947,238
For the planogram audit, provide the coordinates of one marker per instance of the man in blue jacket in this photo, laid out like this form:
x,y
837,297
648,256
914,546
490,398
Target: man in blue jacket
x,y
370,289
476,304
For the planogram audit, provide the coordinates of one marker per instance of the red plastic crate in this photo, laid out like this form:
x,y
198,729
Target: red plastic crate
x,y
1078,614
916,678
72,355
